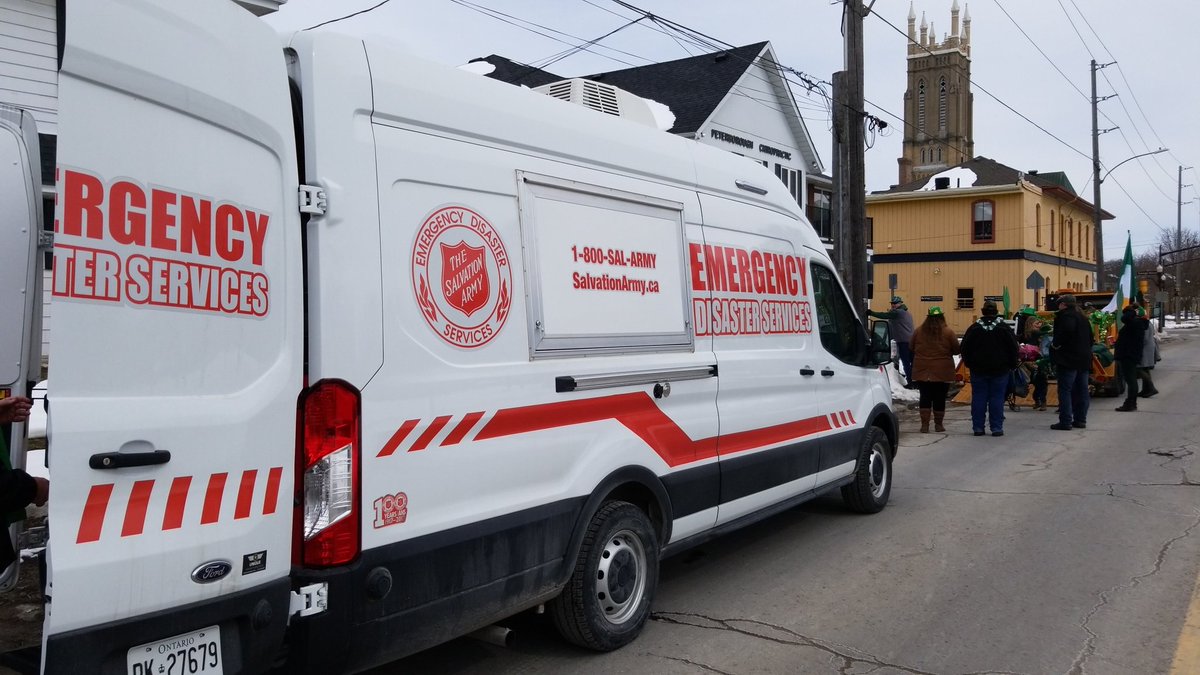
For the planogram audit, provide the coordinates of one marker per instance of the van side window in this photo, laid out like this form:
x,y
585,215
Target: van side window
x,y
836,320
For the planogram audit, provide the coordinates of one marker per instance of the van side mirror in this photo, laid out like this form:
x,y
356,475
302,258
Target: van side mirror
x,y
882,350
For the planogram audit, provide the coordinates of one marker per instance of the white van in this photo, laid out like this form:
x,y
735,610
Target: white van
x,y
355,353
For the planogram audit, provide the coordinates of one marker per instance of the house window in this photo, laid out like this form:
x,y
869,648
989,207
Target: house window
x,y
921,105
1037,222
966,298
820,213
941,107
790,178
1051,230
982,226
1071,236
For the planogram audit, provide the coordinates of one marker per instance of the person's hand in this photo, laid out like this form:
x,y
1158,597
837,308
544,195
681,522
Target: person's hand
x,y
14,409
43,491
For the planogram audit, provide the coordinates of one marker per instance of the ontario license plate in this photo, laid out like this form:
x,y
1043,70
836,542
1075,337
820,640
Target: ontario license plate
x,y
198,652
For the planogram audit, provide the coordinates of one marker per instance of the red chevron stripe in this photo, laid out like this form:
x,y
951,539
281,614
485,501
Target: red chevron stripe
x,y
176,500
426,438
462,429
135,510
245,494
212,498
851,414
398,437
93,513
638,413
271,499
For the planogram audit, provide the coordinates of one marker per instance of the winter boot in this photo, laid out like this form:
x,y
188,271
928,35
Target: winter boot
x,y
938,416
925,414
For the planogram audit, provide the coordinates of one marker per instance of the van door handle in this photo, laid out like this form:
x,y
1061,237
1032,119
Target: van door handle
x,y
825,372
807,372
121,460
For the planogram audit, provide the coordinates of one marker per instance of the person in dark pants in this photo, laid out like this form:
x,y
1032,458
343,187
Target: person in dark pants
x,y
17,488
900,323
1071,351
989,348
1128,354
934,346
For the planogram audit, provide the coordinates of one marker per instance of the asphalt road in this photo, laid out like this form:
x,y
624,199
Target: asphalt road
x,y
1039,552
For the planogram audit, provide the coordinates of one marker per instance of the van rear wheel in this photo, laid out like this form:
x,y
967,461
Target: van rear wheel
x,y
606,602
873,477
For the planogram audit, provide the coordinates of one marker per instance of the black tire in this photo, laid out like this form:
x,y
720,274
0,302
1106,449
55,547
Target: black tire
x,y
606,602
873,476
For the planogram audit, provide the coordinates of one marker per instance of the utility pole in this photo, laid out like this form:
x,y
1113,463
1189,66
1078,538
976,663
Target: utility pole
x,y
841,256
1179,239
1098,223
854,215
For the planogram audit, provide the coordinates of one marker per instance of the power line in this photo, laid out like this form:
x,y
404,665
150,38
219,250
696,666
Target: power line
x,y
348,16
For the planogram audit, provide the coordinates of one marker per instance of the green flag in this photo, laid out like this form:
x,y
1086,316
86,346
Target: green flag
x,y
1124,284
1006,301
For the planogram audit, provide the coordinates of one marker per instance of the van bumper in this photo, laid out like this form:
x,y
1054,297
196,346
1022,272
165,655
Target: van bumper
x,y
252,628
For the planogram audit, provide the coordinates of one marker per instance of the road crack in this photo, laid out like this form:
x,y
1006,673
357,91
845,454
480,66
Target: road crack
x,y
1078,667
849,656
689,662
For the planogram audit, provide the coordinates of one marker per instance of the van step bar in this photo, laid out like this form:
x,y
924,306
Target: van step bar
x,y
24,660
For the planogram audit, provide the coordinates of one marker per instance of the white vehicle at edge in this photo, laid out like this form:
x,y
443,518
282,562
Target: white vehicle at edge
x,y
410,351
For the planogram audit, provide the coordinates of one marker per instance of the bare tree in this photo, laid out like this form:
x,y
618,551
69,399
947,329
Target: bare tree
x,y
1181,269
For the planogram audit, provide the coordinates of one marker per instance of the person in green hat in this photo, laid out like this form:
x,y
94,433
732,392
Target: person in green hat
x,y
900,323
934,346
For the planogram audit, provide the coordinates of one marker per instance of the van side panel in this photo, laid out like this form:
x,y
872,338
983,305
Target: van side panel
x,y
478,461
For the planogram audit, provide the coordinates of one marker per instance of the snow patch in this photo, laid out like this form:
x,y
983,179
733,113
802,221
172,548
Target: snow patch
x,y
959,177
478,67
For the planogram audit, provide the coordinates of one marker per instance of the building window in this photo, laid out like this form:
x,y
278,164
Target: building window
x,y
941,107
820,213
982,226
1071,236
966,298
922,155
1051,231
791,178
921,105
1087,280
939,154
1037,222
1087,243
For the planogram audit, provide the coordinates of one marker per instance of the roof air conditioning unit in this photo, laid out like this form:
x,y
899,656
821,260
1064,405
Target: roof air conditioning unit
x,y
603,98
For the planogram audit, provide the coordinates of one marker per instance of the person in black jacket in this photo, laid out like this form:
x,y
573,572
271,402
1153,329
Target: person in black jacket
x,y
1071,351
17,488
990,349
1131,340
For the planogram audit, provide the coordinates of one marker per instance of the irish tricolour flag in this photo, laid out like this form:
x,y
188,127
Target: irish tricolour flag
x,y
1125,284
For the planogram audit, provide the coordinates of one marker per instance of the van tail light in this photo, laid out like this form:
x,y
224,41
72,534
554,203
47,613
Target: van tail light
x,y
330,462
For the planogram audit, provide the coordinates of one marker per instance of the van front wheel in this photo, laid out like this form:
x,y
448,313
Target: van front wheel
x,y
873,477
607,600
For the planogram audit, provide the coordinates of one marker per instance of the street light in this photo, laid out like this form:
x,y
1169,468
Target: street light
x,y
1098,235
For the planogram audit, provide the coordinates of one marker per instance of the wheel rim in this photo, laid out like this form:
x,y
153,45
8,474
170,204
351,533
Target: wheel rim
x,y
878,471
621,577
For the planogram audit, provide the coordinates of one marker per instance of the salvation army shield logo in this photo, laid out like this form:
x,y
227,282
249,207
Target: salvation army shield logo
x,y
462,277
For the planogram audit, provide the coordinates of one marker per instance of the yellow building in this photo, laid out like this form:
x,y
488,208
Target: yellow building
x,y
961,236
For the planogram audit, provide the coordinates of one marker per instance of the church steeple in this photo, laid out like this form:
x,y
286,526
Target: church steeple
x,y
938,105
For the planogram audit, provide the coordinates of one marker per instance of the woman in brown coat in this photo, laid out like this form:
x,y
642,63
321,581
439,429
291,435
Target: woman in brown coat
x,y
934,346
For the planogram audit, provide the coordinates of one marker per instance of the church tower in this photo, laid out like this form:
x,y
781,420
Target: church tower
x,y
938,126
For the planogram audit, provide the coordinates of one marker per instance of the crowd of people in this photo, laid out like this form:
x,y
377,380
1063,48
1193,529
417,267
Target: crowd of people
x,y
993,352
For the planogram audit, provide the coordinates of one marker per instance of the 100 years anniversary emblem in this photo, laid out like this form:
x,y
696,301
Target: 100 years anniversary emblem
x,y
462,278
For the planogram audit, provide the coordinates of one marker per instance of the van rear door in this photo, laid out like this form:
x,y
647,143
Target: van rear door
x,y
20,277
177,341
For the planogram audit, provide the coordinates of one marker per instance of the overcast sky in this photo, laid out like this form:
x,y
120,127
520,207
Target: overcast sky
x,y
1156,45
